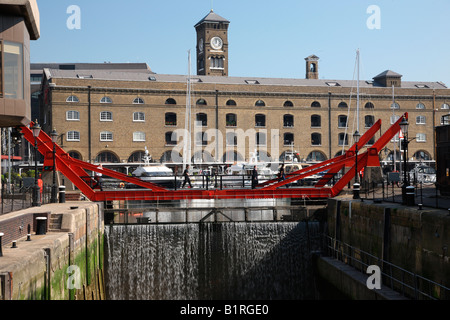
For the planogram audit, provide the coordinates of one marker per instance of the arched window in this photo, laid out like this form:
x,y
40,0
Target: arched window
x,y
260,103
369,105
171,156
445,106
260,139
106,100
72,115
395,105
316,156
232,156
106,156
73,136
316,139
288,121
72,99
171,138
106,136
201,102
138,116
138,136
316,121
171,119
312,67
420,105
106,116
75,155
422,155
288,104
315,104
137,156
202,156
342,105
231,120
369,121
288,139
138,101
201,120
342,121
231,103
217,62
170,101
260,120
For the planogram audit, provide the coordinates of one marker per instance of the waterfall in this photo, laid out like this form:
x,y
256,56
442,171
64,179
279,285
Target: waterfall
x,y
233,260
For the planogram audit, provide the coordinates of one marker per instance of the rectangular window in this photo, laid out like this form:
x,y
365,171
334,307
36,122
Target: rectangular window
x,y
106,116
106,136
138,116
421,137
420,120
73,115
139,136
12,68
73,136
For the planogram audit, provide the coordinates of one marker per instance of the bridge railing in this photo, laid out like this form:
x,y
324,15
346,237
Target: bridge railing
x,y
407,283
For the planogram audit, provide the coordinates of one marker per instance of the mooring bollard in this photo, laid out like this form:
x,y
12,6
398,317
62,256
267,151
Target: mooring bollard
x,y
62,194
1,235
410,194
14,244
356,188
41,225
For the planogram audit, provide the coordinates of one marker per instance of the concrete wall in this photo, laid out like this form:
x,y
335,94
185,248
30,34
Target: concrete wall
x,y
65,263
413,239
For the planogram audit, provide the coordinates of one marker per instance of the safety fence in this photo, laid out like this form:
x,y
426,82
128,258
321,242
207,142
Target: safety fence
x,y
407,283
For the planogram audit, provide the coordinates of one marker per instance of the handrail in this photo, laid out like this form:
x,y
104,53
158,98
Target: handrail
x,y
337,249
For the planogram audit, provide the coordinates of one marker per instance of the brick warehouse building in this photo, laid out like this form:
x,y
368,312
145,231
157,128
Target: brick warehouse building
x,y
110,113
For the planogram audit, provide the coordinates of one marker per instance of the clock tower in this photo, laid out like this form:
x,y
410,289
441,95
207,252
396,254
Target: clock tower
x,y
212,45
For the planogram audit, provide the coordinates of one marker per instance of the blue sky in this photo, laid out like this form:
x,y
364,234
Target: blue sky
x,y
266,38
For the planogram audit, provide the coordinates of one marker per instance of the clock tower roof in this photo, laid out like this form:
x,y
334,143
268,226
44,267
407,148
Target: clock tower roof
x,y
212,17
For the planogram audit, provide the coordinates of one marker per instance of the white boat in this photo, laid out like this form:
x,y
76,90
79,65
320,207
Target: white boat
x,y
240,173
157,173
423,174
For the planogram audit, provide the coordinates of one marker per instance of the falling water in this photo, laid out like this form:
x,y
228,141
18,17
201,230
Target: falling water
x,y
234,260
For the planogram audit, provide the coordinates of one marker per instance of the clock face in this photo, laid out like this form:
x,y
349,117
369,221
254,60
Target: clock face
x,y
216,43
200,45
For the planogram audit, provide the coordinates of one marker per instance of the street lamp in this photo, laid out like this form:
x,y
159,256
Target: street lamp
x,y
36,128
404,127
54,136
356,185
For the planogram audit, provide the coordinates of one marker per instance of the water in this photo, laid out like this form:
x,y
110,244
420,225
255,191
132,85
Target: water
x,y
233,260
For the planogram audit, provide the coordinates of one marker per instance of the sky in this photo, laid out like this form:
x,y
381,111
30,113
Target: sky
x,y
266,38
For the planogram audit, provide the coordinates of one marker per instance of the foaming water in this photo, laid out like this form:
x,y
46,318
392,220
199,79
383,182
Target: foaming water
x,y
234,260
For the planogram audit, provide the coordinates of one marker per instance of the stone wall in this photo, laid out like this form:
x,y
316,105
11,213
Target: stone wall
x,y
64,264
413,239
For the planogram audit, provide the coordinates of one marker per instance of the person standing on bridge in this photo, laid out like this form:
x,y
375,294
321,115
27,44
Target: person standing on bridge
x,y
186,177
254,177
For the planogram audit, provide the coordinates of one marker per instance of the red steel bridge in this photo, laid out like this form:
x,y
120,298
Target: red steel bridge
x,y
75,171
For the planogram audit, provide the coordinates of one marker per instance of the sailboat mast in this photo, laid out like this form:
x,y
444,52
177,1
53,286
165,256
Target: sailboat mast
x,y
187,121
357,91
393,142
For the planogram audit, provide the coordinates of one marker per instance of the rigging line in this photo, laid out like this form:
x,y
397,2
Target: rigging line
x,y
349,107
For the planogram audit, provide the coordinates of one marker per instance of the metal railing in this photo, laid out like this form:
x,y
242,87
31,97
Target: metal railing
x,y
407,283
17,197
